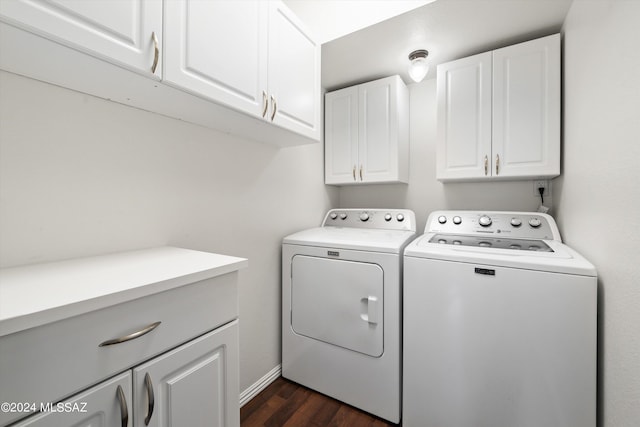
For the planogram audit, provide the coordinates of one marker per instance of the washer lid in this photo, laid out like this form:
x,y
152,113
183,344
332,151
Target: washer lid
x,y
371,240
560,258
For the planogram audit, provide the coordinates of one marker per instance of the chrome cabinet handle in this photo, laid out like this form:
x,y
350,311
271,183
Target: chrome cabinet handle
x,y
274,106
354,172
132,336
360,172
265,103
156,52
151,398
486,165
124,411
497,164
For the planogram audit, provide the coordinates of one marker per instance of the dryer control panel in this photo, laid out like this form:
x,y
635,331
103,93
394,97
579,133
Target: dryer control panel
x,y
516,225
382,219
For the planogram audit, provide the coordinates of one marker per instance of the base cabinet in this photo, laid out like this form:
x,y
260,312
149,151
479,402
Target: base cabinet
x,y
192,385
164,353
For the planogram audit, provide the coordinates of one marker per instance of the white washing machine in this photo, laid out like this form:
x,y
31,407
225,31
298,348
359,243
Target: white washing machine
x,y
499,324
342,307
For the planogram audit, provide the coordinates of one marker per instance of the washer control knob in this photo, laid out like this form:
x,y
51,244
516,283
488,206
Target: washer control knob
x,y
485,221
400,217
457,220
333,215
388,217
343,216
364,217
442,219
516,222
535,222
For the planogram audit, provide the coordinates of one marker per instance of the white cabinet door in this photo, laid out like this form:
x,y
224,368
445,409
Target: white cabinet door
x,y
341,136
464,118
367,133
193,385
218,50
253,56
120,31
526,108
108,404
381,110
294,73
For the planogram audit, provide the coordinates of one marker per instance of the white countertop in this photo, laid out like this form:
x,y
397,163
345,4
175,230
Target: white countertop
x,y
34,295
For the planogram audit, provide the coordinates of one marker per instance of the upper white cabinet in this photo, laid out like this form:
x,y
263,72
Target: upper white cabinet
x,y
499,113
126,32
218,50
293,73
247,68
253,56
367,133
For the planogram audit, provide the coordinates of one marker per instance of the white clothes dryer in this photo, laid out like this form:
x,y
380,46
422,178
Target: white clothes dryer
x,y
499,324
342,307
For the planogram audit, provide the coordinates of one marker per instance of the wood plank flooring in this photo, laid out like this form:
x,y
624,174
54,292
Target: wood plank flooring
x,y
287,404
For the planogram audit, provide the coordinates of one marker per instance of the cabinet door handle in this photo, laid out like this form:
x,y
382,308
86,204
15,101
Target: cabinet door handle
x,y
486,165
360,172
124,411
497,164
132,336
156,52
151,399
265,103
274,106
354,172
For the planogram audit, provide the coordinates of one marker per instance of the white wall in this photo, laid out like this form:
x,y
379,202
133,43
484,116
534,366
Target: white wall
x,y
598,195
81,176
424,193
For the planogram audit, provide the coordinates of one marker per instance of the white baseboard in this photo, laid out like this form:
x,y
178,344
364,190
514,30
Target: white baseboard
x,y
260,385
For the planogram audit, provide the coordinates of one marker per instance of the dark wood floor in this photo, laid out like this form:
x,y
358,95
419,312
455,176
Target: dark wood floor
x,y
287,404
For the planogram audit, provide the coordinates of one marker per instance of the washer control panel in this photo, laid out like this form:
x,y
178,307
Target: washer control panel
x,y
384,219
517,225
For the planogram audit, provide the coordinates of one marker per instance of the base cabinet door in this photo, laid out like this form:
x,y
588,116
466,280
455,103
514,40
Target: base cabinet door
x,y
193,385
108,404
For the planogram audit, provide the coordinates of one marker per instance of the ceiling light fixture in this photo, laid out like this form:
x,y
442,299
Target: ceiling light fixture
x,y
418,67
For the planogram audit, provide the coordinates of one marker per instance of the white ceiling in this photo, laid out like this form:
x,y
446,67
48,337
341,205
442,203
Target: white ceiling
x,y
448,29
331,19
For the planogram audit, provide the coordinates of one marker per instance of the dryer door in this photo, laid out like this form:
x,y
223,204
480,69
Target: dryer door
x,y
338,302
